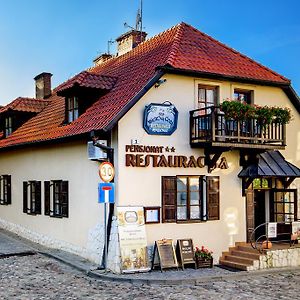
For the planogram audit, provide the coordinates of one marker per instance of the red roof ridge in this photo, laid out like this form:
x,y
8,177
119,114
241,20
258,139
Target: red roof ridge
x,y
134,50
239,53
176,44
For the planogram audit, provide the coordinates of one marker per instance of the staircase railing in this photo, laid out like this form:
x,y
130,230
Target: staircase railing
x,y
260,240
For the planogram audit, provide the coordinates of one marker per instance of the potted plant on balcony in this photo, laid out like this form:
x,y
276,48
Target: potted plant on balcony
x,y
236,110
203,258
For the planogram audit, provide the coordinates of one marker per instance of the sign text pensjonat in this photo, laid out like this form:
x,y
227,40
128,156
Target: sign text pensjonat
x,y
160,156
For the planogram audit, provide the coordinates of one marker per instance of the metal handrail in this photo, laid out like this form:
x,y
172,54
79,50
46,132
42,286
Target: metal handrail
x,y
258,242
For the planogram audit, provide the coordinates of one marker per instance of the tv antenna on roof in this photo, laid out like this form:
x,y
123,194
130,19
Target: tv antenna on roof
x,y
138,21
109,43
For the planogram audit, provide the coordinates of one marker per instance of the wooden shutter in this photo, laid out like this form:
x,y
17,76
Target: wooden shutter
x,y
8,182
64,192
47,197
38,197
25,195
169,192
250,212
213,197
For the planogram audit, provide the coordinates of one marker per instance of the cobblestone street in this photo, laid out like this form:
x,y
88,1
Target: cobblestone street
x,y
38,277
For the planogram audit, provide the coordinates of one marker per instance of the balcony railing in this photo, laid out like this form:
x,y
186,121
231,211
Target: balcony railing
x,y
209,126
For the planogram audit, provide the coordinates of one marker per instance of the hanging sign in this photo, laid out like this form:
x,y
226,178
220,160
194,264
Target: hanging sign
x,y
272,230
160,119
106,171
133,242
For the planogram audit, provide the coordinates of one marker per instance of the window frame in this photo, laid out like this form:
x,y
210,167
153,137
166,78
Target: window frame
x,y
32,199
72,109
213,88
56,198
245,92
206,201
5,189
8,126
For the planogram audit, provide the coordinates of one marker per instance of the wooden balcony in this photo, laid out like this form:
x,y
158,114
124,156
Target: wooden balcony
x,y
210,128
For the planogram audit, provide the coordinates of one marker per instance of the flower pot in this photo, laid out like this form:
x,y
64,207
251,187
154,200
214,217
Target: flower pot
x,y
266,245
204,262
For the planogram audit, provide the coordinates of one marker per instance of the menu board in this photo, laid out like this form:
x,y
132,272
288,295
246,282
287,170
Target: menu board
x,y
185,252
165,252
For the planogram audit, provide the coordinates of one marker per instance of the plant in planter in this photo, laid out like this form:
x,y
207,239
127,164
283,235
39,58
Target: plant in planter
x,y
282,115
203,257
236,110
241,111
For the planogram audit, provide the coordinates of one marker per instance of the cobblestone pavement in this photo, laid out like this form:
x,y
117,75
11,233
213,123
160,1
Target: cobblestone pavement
x,y
38,277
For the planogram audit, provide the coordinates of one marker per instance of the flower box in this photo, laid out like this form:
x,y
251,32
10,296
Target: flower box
x,y
204,262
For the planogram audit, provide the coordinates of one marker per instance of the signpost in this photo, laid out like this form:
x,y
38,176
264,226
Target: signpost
x,y
106,195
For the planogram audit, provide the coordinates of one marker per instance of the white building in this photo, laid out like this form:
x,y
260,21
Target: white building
x,y
174,150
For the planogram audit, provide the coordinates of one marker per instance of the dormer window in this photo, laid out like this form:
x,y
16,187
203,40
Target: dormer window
x,y
8,128
72,109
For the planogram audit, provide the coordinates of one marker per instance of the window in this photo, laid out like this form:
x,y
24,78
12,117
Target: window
x,y
32,197
242,96
207,96
5,189
189,198
8,129
285,206
72,111
56,198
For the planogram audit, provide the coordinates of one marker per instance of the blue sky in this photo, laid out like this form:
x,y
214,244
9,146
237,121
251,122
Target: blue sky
x,y
64,36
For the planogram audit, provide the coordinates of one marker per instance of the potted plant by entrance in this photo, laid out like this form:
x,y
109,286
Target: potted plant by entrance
x,y
203,258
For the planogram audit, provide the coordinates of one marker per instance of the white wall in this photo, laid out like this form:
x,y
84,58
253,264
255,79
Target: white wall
x,y
142,186
66,161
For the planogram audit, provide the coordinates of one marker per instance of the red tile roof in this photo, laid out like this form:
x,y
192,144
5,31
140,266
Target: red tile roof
x,y
88,80
181,47
25,105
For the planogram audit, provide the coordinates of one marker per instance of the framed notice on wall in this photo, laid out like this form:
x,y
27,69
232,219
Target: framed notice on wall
x,y
152,214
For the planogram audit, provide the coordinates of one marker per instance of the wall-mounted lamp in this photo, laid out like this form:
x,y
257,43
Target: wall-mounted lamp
x,y
160,82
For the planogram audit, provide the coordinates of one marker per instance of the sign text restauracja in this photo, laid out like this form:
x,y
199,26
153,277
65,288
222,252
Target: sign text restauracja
x,y
144,156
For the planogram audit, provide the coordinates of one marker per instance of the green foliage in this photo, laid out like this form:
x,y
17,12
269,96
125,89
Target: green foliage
x,y
240,111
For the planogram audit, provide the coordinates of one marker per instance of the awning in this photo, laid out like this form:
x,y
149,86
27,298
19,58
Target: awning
x,y
270,164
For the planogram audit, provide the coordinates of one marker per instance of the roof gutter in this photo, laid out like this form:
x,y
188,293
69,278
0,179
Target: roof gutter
x,y
135,99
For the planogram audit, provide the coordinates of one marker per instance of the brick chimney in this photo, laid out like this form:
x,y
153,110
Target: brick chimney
x,y
43,85
102,58
130,40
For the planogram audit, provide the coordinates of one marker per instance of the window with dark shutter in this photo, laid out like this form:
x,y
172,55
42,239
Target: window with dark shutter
x,y
57,198
32,197
169,192
25,197
213,197
65,198
5,189
38,196
47,197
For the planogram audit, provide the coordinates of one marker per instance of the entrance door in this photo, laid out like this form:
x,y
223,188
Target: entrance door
x,y
259,212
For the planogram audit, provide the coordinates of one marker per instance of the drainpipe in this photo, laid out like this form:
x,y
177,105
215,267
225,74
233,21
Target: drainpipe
x,y
110,156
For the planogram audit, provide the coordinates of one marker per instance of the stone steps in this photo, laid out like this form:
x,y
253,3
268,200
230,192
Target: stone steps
x,y
241,257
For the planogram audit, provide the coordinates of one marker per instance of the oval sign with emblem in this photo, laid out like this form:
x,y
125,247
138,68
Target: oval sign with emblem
x,y
160,119
106,171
